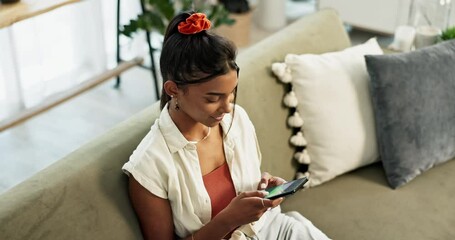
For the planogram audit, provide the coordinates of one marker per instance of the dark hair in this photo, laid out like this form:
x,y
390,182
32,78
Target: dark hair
x,y
194,58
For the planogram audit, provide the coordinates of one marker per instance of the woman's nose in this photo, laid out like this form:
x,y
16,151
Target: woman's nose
x,y
227,105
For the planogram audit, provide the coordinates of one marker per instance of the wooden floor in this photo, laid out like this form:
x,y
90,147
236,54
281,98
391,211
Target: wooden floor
x,y
44,139
37,143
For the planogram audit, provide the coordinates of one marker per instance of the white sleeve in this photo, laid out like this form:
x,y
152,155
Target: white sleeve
x,y
148,166
247,124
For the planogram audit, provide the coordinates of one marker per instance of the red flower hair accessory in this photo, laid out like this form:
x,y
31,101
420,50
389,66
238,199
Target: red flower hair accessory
x,y
195,23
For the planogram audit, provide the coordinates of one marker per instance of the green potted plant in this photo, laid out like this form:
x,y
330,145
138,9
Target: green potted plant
x,y
448,34
158,13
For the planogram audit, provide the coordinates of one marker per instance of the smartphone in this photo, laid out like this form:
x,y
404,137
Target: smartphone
x,y
285,189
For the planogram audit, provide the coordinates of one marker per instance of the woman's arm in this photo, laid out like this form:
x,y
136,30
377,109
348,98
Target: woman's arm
x,y
155,214
247,207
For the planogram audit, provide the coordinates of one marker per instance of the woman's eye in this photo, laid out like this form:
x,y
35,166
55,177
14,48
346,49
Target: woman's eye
x,y
212,100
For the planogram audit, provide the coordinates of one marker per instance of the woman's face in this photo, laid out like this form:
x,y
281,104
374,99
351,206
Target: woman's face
x,y
208,102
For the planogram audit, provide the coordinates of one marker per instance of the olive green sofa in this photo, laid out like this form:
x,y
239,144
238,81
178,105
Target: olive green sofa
x,y
84,195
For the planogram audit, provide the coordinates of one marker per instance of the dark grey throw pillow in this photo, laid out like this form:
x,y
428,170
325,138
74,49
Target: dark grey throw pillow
x,y
413,97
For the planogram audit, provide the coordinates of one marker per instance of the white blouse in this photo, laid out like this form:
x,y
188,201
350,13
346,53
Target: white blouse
x,y
167,165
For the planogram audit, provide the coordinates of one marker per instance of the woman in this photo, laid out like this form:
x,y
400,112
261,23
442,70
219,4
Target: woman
x,y
196,175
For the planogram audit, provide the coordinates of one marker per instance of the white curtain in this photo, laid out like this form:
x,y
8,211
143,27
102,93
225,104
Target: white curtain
x,y
131,47
57,50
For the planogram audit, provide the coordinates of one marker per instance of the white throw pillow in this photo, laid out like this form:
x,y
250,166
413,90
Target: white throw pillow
x,y
333,99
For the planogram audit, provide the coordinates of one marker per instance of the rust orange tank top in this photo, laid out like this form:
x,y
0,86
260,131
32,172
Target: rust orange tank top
x,y
219,187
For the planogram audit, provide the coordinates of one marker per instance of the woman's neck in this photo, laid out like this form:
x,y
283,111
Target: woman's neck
x,y
190,129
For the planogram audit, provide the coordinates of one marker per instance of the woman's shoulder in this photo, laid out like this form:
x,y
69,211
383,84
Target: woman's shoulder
x,y
238,122
149,163
241,115
239,108
152,149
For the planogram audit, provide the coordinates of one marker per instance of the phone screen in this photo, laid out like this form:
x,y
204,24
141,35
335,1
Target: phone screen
x,y
285,189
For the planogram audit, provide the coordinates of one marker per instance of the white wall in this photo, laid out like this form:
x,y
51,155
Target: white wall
x,y
375,15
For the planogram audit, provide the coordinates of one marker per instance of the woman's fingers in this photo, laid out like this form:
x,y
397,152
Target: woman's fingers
x,y
264,182
268,180
259,194
276,202
275,181
258,198
248,207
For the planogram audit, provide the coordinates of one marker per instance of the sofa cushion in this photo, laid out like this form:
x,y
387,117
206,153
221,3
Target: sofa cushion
x,y
361,205
413,98
334,102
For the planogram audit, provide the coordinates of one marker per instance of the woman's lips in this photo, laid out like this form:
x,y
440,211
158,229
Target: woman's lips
x,y
219,118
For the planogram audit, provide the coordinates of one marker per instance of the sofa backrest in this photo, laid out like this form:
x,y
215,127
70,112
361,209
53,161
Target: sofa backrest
x,y
84,195
261,94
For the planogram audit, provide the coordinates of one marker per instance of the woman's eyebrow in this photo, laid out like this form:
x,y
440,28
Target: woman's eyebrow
x,y
220,94
215,94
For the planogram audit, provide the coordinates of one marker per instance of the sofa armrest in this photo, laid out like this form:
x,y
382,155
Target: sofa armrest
x,y
82,196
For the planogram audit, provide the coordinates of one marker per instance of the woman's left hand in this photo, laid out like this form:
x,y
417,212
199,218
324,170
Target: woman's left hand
x,y
268,180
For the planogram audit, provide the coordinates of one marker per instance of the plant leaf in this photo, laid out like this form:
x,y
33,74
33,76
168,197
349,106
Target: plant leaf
x,y
448,34
219,16
158,13
187,5
165,7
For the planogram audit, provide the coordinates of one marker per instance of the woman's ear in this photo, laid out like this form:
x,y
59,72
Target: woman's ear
x,y
170,88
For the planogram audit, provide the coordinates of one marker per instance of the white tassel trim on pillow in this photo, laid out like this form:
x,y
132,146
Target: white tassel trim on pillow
x,y
301,175
282,72
295,120
303,157
298,140
290,100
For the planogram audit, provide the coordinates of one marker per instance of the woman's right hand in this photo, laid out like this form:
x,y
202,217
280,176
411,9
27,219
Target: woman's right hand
x,y
247,207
